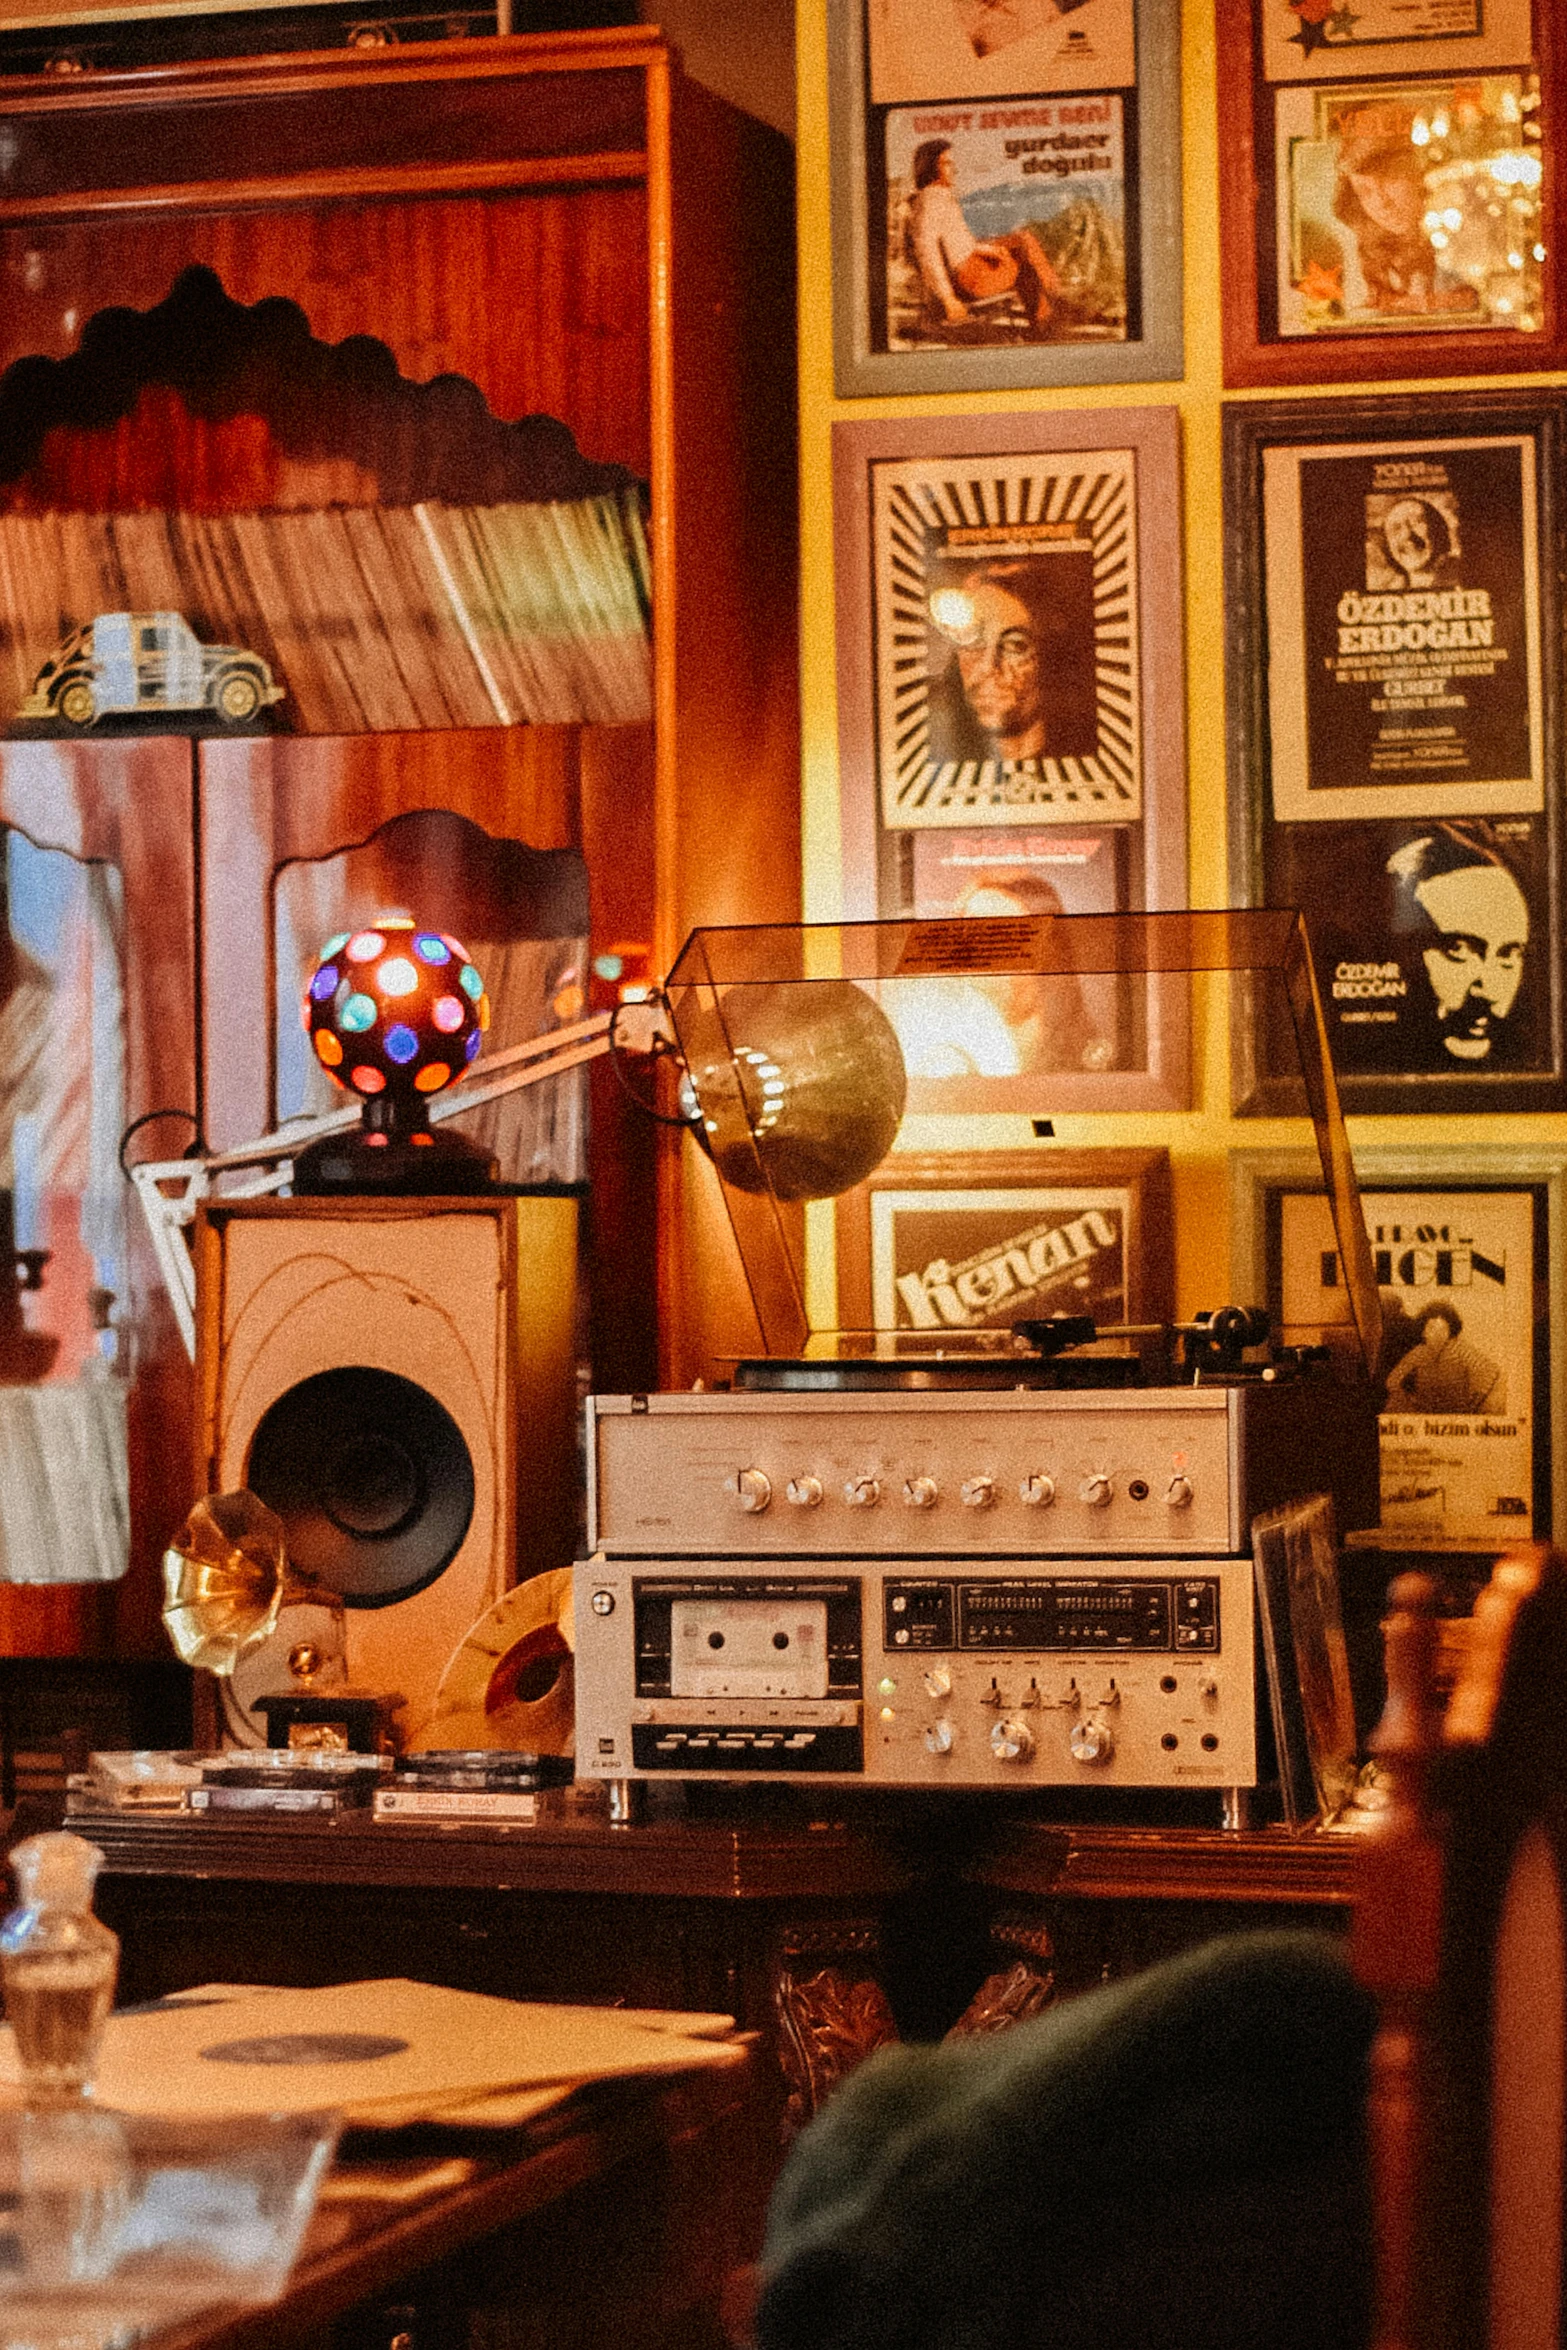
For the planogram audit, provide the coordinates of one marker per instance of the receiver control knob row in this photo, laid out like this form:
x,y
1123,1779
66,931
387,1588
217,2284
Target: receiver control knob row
x,y
938,1682
938,1738
862,1493
750,1489
1011,1741
804,1492
1037,1492
1096,1492
1178,1493
977,1493
920,1493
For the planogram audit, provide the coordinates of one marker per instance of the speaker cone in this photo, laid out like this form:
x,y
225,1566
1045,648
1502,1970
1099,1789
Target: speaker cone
x,y
372,1479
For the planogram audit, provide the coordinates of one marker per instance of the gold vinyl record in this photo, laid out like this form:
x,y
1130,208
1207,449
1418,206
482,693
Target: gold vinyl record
x,y
509,1684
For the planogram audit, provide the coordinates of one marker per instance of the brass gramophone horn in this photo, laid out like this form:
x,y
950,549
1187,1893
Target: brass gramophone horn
x,y
226,1579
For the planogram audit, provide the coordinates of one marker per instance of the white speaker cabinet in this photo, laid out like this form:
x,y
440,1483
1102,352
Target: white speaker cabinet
x,y
396,1378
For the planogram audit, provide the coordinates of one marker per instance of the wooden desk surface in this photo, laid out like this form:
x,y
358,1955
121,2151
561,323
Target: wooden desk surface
x,y
712,1860
735,1861
1267,1865
679,2168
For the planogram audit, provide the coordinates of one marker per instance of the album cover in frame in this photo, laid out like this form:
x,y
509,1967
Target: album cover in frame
x,y
940,1246
1011,737
1006,194
1468,1248
1394,662
1300,1618
1389,189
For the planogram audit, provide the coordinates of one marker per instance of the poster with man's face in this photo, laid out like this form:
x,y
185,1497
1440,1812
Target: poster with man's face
x,y
1007,664
1456,1275
1431,943
1404,660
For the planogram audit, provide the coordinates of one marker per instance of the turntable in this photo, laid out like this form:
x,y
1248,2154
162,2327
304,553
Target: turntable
x,y
1006,1556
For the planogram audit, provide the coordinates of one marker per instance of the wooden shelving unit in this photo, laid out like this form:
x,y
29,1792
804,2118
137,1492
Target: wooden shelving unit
x,y
572,227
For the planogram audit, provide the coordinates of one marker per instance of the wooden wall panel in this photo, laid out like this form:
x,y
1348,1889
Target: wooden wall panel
x,y
539,299
264,801
728,722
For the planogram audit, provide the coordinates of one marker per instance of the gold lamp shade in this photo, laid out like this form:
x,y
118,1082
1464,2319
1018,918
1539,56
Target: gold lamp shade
x,y
800,1088
226,1579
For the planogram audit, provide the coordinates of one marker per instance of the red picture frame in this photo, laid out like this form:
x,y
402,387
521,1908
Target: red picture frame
x,y
1256,351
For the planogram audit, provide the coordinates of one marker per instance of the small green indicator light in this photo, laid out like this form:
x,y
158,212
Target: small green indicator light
x,y
887,1687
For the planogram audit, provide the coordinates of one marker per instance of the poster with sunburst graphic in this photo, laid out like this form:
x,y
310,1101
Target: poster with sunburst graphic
x,y
1006,627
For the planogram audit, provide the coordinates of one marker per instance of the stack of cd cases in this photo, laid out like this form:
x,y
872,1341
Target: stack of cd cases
x,y
457,1783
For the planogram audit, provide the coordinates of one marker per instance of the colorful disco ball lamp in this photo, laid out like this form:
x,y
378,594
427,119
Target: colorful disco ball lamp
x,y
395,1013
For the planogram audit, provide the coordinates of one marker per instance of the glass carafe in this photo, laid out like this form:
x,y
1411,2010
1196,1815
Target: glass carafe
x,y
58,1964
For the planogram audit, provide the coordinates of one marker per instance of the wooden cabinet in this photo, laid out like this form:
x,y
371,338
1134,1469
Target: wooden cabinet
x,y
567,225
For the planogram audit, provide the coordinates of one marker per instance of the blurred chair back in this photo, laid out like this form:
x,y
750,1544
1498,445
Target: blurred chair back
x,y
1459,1933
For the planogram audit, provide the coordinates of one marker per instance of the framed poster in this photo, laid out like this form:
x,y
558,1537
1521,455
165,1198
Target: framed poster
x,y
1011,737
1389,190
1394,684
1468,1250
1006,194
945,1244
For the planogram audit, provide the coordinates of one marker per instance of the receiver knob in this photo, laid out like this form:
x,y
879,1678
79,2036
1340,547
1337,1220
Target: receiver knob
x,y
1091,1741
862,1493
1037,1492
1011,1741
977,1493
920,1493
938,1738
1096,1492
751,1489
938,1682
804,1492
1178,1493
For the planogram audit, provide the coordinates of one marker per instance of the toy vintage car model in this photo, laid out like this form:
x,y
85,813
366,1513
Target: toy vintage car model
x,y
147,661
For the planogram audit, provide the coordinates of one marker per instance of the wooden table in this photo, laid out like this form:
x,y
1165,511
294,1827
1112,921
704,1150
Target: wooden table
x,y
1112,1899
737,1914
617,2218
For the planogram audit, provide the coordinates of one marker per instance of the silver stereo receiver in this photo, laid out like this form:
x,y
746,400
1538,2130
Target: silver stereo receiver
x,y
783,1471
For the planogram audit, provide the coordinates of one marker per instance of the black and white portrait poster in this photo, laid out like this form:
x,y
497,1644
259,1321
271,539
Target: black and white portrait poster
x,y
982,1260
1431,943
1456,1274
1404,659
1007,685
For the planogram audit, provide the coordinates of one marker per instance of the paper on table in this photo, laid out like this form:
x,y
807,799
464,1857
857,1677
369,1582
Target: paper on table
x,y
691,2023
363,2047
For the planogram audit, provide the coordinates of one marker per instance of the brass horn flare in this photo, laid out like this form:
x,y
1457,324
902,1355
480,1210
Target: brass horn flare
x,y
226,1579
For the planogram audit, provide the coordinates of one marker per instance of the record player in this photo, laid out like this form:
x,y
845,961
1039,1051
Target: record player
x,y
1003,1557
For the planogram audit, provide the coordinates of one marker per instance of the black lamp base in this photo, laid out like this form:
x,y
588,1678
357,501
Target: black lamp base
x,y
393,1157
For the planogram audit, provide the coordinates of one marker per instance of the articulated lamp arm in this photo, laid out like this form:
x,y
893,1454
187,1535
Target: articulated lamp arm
x,y
170,1189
